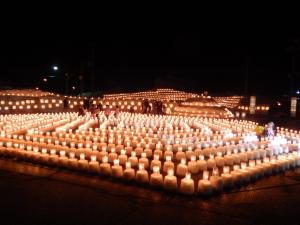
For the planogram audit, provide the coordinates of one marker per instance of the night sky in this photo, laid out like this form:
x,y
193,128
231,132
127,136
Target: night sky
x,y
142,59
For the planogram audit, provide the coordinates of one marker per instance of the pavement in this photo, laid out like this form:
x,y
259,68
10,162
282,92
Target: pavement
x,y
32,194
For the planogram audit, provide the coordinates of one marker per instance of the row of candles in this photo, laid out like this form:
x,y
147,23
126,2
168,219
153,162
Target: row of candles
x,y
190,155
162,94
139,169
229,102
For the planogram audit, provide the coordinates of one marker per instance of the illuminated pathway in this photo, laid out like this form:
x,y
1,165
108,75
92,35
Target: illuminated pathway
x,y
188,155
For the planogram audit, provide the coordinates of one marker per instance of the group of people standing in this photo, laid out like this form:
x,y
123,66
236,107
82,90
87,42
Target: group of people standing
x,y
156,108
94,111
266,131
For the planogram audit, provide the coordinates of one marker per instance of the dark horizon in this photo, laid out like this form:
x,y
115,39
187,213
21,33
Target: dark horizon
x,y
131,61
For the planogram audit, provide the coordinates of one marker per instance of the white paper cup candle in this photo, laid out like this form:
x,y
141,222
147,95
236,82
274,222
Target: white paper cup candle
x,y
53,159
181,169
187,185
116,169
144,160
168,164
94,166
156,179
105,168
236,175
193,166
211,162
142,175
129,173
112,155
83,163
179,154
170,181
72,163
228,159
245,173
202,165
123,157
63,159
44,157
155,162
204,185
220,161
227,177
216,181
133,159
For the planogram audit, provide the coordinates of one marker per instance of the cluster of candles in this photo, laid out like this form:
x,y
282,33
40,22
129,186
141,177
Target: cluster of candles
x,y
161,94
189,155
209,112
260,108
25,92
25,101
229,102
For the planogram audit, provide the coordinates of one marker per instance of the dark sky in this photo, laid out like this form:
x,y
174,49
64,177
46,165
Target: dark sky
x,y
140,59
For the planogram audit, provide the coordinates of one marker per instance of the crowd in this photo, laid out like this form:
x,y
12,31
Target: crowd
x,y
266,131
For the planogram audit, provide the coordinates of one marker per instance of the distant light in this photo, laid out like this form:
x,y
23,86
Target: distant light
x,y
278,103
73,87
36,88
298,92
45,80
55,68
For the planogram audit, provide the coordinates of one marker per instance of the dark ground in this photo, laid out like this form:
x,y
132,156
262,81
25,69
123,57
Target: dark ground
x,y
39,195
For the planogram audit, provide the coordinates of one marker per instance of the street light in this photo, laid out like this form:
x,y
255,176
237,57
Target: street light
x,y
55,68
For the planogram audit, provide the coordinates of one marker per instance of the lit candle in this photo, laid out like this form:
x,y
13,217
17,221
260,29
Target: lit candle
x,y
105,168
254,172
219,160
73,162
44,157
216,181
228,159
204,185
144,160
187,185
236,175
142,174
148,151
94,165
193,166
168,164
63,159
155,162
182,169
129,173
133,159
202,165
245,173
117,170
227,177
180,154
236,157
156,179
123,157
211,163
53,159
267,166
112,155
170,181
82,162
